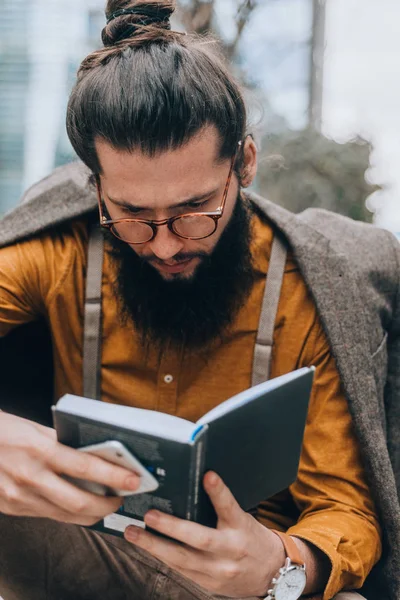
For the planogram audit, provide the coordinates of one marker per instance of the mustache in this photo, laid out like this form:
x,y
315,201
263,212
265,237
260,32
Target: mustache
x,y
178,258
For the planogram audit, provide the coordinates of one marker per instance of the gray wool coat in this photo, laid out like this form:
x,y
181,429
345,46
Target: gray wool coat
x,y
352,270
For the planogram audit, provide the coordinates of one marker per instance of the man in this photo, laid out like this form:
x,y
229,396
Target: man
x,y
161,125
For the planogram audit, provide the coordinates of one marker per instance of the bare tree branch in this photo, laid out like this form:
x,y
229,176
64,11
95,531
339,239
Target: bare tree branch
x,y
243,16
197,17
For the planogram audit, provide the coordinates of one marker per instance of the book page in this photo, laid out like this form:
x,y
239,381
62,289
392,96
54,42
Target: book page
x,y
138,419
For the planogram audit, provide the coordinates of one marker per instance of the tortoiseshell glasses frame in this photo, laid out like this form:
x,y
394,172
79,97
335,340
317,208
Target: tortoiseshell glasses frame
x,y
148,228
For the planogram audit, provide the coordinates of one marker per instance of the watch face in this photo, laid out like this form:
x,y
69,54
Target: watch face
x,y
291,585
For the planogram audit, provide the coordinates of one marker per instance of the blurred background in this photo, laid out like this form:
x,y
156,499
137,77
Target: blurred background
x,y
320,79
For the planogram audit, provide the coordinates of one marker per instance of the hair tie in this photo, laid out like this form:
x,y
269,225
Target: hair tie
x,y
152,14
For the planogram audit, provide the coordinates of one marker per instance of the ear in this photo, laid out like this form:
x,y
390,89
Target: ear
x,y
249,167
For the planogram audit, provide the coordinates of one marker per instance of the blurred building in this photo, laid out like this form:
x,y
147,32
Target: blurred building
x,y
41,46
14,75
43,41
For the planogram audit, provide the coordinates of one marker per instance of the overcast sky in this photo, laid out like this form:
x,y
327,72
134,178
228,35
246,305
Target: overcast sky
x,y
362,89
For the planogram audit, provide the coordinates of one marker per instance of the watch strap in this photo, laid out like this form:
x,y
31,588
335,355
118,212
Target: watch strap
x,y
291,549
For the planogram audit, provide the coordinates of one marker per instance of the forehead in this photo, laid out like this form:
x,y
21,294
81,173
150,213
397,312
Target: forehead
x,y
194,168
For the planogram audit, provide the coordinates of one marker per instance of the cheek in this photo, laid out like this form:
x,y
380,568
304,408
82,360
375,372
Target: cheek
x,y
139,250
208,244
222,223
228,212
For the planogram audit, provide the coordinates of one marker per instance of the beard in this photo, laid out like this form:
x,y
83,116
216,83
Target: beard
x,y
191,313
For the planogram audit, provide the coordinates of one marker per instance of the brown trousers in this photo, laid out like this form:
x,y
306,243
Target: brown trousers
x,y
46,560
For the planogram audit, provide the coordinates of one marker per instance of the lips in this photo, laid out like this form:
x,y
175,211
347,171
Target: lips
x,y
177,267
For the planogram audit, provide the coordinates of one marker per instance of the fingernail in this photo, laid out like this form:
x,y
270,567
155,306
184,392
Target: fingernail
x,y
152,517
132,533
132,483
212,478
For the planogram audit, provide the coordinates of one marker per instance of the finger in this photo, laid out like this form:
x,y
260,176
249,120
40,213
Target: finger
x,y
82,465
42,508
204,569
51,511
23,503
192,534
48,431
172,554
227,509
56,514
72,499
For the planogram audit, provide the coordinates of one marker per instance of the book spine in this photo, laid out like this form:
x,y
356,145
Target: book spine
x,y
196,475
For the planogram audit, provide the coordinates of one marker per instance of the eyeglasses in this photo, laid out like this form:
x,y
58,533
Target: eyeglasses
x,y
190,226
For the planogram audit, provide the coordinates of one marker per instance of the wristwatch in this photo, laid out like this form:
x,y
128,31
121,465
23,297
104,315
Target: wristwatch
x,y
290,581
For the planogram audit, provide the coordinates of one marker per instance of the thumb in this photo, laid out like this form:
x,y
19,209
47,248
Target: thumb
x,y
227,509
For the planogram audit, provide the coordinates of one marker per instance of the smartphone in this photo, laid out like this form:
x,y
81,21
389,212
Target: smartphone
x,y
118,454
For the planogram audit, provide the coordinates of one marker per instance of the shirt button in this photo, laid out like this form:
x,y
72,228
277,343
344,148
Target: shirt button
x,y
168,379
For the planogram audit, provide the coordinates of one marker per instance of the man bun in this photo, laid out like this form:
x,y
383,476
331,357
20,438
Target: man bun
x,y
146,19
152,88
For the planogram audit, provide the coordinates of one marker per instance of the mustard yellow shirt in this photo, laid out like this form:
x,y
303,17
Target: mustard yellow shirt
x,y
330,503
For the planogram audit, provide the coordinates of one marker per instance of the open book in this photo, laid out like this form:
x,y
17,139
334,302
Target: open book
x,y
253,441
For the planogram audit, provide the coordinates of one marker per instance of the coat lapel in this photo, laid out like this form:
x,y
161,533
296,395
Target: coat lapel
x,y
334,288
333,285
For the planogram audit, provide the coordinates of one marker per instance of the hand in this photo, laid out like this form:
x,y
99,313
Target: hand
x,y
32,463
238,559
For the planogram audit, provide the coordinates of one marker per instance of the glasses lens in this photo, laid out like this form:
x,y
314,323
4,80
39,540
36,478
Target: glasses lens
x,y
134,233
194,227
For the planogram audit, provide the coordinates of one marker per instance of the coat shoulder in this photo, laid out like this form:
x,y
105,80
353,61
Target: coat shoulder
x,y
363,244
61,197
74,173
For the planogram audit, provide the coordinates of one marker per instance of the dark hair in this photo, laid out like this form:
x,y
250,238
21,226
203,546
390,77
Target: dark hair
x,y
151,88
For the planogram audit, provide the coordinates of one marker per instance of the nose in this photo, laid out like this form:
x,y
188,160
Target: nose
x,y
165,245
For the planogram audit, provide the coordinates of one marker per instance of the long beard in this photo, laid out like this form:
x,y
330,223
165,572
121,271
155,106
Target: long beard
x,y
191,313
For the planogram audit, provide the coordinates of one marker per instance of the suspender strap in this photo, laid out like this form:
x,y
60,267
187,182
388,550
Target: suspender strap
x,y
269,309
92,323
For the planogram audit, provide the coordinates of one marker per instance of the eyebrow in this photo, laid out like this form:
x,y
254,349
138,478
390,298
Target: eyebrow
x,y
129,206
